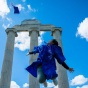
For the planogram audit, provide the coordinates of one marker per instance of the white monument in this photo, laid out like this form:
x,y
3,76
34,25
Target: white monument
x,y
33,26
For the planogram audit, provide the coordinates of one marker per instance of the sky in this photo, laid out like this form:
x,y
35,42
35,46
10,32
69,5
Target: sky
x,y
70,15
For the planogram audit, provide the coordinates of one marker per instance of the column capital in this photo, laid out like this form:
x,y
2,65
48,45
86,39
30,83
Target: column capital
x,y
34,29
55,29
11,30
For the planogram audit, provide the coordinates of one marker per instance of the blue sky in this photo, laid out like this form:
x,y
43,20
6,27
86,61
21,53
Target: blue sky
x,y
71,15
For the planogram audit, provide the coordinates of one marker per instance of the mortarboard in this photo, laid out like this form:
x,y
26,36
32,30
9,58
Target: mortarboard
x,y
16,10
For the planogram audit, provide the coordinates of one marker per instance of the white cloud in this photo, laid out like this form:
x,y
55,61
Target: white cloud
x,y
26,85
14,85
82,29
42,32
4,10
84,86
5,26
40,40
8,23
51,85
79,80
31,9
9,19
23,40
20,7
78,87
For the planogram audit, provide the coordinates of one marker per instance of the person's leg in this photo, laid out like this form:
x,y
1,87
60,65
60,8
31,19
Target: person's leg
x,y
41,77
45,84
55,81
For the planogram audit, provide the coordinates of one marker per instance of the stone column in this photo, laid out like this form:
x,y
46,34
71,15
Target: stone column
x,y
62,74
8,59
33,82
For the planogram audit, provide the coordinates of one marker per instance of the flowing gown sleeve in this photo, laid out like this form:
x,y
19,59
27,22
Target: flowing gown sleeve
x,y
37,49
32,69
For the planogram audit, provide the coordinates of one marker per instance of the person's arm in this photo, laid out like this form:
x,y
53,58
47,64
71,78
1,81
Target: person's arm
x,y
66,67
60,58
30,53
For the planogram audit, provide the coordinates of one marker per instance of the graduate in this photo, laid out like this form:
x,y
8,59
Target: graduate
x,y
44,68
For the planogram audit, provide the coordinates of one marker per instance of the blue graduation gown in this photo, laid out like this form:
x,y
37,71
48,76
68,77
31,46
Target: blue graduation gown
x,y
46,58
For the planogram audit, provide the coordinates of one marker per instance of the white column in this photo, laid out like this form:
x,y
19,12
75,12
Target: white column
x,y
8,59
33,82
62,74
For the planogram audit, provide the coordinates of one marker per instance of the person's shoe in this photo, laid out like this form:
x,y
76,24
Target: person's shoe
x,y
45,84
55,82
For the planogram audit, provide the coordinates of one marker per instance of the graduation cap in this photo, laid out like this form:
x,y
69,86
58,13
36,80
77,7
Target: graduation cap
x,y
16,9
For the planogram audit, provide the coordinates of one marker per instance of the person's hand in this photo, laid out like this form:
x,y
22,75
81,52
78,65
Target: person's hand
x,y
29,53
71,69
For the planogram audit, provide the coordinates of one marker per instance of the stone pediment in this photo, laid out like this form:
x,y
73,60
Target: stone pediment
x,y
30,21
